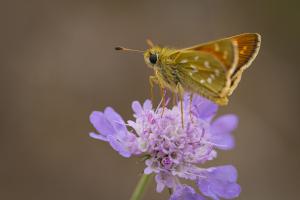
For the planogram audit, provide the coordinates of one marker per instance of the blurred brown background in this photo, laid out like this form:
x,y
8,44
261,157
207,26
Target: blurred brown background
x,y
57,64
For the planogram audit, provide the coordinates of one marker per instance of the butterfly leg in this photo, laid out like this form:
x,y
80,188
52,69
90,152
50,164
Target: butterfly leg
x,y
163,92
180,94
163,96
152,80
190,109
174,98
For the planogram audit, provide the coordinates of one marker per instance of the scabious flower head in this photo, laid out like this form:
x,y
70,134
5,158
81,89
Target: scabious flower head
x,y
174,151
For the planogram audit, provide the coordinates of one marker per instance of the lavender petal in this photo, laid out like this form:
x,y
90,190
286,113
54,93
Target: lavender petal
x,y
185,192
220,182
221,130
101,123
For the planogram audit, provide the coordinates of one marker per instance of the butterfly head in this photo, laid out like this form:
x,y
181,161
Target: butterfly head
x,y
152,56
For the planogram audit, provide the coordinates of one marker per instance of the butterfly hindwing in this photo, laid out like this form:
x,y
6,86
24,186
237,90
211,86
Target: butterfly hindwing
x,y
248,47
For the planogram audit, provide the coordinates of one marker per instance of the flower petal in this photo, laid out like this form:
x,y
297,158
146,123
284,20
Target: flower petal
x,y
119,146
204,108
136,107
185,192
148,170
116,120
223,141
101,124
147,105
220,182
164,179
159,184
221,132
98,136
225,123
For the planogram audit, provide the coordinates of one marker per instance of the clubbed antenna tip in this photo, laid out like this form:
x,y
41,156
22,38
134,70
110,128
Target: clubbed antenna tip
x,y
126,49
119,48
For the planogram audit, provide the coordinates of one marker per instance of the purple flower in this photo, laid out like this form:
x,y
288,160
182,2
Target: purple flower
x,y
184,192
220,182
112,129
175,151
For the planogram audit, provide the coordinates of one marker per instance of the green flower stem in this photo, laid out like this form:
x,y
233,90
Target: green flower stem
x,y
140,187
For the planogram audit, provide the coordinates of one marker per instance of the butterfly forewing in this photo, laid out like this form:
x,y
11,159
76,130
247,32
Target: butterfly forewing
x,y
225,51
203,73
235,53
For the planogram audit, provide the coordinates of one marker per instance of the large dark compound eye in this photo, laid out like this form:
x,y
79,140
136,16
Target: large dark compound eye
x,y
153,58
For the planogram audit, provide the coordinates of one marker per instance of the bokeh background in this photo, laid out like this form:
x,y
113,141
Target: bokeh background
x,y
57,64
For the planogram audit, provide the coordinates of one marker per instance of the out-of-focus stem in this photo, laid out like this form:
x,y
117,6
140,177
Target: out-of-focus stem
x,y
140,187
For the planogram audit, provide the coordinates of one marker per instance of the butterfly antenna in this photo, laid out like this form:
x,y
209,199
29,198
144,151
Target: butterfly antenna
x,y
126,49
150,43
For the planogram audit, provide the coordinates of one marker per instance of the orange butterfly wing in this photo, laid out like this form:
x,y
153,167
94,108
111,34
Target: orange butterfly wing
x,y
236,53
